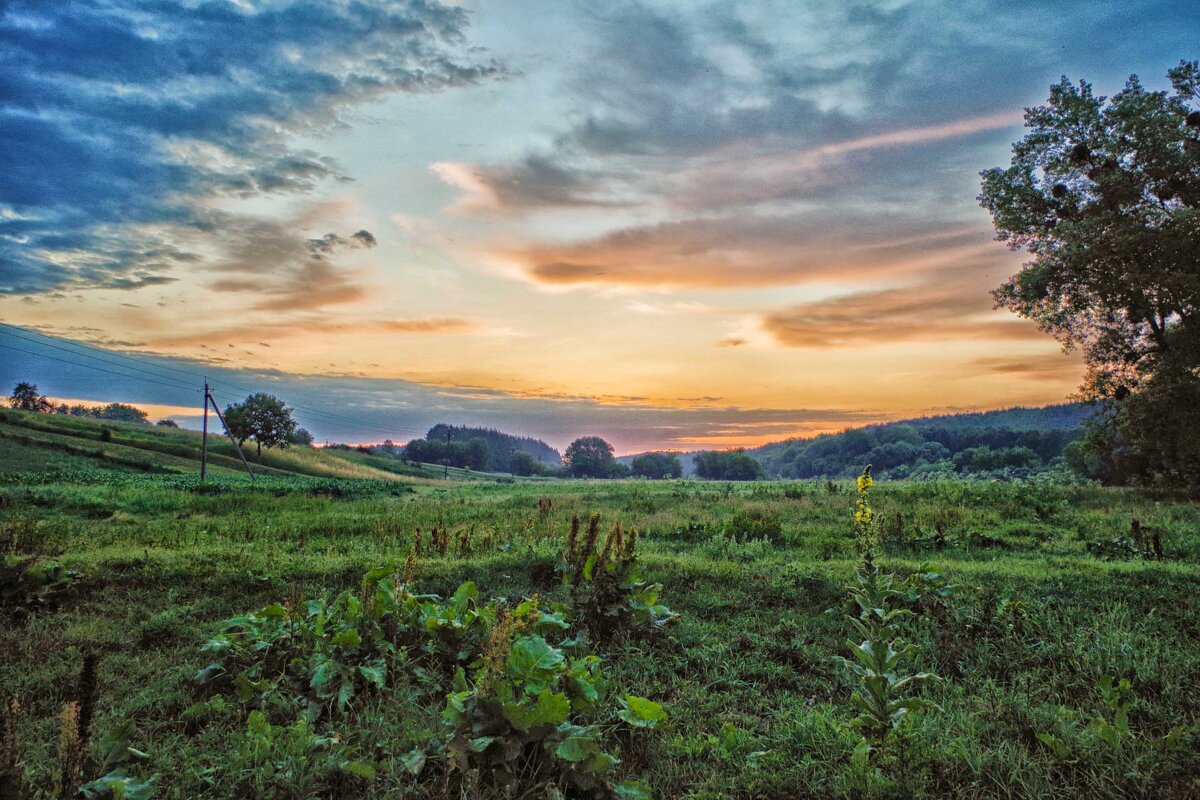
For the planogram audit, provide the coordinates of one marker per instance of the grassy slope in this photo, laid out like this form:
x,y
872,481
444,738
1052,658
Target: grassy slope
x,y
154,448
756,702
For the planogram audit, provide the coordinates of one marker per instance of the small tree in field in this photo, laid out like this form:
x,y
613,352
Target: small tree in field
x,y
264,418
302,437
26,397
589,457
523,464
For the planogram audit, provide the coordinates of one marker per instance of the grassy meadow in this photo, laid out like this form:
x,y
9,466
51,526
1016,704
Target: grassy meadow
x,y
1029,596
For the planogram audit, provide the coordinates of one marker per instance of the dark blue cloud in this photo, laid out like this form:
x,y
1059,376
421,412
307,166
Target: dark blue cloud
x,y
130,112
665,83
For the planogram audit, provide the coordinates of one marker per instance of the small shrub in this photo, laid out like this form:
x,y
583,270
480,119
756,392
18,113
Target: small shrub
x,y
533,719
747,525
608,595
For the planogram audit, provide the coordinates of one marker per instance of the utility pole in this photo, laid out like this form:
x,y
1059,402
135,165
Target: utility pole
x,y
204,435
446,463
209,399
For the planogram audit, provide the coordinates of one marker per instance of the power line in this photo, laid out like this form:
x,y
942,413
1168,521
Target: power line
x,y
323,416
81,355
328,417
99,369
100,350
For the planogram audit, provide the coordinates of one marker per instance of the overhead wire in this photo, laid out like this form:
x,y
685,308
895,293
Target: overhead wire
x,y
100,369
324,416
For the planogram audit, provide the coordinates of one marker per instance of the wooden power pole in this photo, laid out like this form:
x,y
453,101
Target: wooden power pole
x,y
204,435
209,400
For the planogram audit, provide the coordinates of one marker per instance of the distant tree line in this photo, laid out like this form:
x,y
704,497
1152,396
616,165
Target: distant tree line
x,y
919,451
26,397
483,449
727,465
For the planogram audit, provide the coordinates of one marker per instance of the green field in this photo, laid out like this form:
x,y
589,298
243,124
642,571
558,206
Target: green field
x,y
1048,594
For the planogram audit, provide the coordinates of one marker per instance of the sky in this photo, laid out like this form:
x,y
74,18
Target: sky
x,y
677,225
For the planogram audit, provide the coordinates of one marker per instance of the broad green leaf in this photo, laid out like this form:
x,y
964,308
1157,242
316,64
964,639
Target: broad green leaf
x,y
465,593
118,786
600,762
413,761
632,790
551,708
208,673
534,661
641,713
481,743
345,694
360,768
1054,743
274,611
578,745
349,639
379,573
374,673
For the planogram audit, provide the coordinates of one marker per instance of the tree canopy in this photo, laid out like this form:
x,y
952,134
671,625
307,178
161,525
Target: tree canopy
x,y
26,397
1104,196
728,465
589,457
657,466
262,417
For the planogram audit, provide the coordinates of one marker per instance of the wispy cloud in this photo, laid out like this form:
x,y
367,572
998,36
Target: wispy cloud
x,y
307,325
123,123
944,305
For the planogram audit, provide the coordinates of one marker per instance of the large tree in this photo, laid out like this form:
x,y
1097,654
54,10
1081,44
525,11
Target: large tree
x,y
727,465
26,397
1104,196
657,466
589,457
264,418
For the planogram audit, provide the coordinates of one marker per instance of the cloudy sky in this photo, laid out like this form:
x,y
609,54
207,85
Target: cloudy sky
x,y
676,224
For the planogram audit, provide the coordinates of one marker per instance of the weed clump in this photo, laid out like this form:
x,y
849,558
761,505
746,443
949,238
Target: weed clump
x,y
608,595
526,710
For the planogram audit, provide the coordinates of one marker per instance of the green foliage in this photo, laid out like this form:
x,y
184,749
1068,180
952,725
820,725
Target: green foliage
x,y
28,585
483,449
116,760
757,707
290,761
523,464
1104,195
608,595
589,457
883,696
519,712
727,465
657,466
262,417
26,397
323,655
1011,444
533,718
